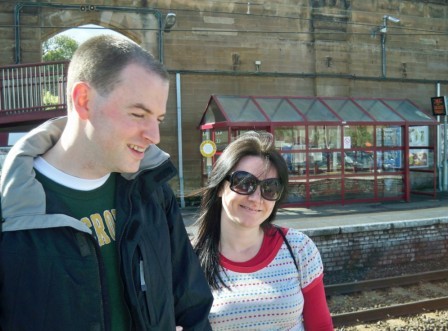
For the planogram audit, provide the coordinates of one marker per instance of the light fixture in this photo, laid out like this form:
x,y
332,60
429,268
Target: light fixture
x,y
383,31
386,18
257,65
392,19
165,25
169,22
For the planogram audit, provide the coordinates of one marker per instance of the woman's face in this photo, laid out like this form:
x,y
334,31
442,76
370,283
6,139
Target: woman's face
x,y
247,211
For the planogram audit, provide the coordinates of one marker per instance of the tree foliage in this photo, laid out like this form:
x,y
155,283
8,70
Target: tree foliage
x,y
59,48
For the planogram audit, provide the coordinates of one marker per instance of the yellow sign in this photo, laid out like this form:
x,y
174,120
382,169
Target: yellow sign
x,y
208,148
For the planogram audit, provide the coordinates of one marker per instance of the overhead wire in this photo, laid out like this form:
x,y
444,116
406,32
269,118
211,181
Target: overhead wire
x,y
218,31
394,30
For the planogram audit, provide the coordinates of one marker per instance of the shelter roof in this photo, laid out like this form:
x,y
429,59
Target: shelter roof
x,y
263,110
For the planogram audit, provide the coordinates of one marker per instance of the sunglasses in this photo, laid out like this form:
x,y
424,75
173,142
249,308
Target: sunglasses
x,y
245,183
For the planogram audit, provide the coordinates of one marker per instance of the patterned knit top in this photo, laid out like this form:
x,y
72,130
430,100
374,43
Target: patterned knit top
x,y
266,291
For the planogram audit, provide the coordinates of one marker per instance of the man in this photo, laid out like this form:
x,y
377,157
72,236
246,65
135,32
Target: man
x,y
92,237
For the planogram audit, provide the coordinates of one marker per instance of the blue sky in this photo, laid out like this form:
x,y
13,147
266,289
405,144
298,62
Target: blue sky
x,y
84,32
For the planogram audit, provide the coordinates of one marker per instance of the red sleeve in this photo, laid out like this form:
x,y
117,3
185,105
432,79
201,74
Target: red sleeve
x,y
316,315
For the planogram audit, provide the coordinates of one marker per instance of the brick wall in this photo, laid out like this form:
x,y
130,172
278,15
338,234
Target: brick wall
x,y
382,244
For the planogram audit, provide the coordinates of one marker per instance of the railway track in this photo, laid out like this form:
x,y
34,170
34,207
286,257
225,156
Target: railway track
x,y
414,289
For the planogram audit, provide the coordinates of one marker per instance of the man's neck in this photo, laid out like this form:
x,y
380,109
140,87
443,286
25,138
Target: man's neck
x,y
60,177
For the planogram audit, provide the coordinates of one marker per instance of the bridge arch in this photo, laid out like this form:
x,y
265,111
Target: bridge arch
x,y
139,24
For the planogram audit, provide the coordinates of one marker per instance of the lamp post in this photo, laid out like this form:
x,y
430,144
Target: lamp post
x,y
383,30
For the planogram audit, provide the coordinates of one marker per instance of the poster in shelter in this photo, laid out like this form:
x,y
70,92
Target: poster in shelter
x,y
418,136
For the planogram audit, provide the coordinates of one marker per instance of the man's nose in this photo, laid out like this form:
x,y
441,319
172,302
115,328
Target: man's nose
x,y
151,131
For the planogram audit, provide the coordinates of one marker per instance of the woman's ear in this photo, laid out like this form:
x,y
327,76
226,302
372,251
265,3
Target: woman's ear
x,y
81,96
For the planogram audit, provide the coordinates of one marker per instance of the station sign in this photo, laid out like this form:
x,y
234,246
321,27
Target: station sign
x,y
207,148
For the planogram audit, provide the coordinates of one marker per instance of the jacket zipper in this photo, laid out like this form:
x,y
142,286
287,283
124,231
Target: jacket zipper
x,y
101,272
119,241
142,277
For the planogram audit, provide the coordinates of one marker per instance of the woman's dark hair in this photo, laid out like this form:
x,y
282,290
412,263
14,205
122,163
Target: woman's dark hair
x,y
209,226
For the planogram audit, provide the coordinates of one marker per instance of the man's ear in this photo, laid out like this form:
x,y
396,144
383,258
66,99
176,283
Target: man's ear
x,y
81,96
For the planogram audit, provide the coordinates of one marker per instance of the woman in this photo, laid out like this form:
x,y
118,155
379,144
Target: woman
x,y
262,277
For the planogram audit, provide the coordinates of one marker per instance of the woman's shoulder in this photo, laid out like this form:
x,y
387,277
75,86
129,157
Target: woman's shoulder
x,y
298,238
294,233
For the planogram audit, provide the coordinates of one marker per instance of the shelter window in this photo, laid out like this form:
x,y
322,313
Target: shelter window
x,y
325,136
324,163
290,138
221,139
314,110
390,160
408,110
389,136
348,110
356,136
378,110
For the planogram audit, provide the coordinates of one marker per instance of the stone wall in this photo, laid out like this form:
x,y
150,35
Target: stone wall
x,y
382,244
306,48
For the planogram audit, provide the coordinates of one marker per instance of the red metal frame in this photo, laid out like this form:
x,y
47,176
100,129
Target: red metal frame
x,y
342,174
11,118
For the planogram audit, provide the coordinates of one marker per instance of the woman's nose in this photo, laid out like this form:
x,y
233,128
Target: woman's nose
x,y
256,195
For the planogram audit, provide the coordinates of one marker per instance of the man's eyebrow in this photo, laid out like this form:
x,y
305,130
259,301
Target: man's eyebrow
x,y
142,107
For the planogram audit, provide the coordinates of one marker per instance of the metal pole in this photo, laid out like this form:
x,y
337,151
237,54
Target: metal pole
x,y
179,141
440,153
444,150
445,167
383,31
383,55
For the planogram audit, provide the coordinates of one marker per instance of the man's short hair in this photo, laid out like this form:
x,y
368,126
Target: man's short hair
x,y
100,60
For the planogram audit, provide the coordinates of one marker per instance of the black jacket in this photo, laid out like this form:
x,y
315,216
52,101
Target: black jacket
x,y
51,270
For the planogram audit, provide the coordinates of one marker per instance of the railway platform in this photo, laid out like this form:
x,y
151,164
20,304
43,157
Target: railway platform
x,y
360,240
352,215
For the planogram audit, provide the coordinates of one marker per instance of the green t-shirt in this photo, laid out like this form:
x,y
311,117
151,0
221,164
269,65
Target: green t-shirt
x,y
96,209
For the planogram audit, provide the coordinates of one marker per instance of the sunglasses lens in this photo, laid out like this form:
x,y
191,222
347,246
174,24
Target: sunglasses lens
x,y
243,182
271,189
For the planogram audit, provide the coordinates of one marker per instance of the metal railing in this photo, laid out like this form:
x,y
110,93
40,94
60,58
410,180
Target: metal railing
x,y
33,87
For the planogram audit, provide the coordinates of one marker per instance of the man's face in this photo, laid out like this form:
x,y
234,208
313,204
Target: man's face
x,y
123,124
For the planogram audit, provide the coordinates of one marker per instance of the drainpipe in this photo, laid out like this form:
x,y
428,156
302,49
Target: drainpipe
x,y
179,141
383,55
383,31
160,36
17,10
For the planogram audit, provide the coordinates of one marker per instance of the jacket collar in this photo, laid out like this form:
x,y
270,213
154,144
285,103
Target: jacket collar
x,y
23,200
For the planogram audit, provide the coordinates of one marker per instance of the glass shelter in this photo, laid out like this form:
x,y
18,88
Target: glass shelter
x,y
338,150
